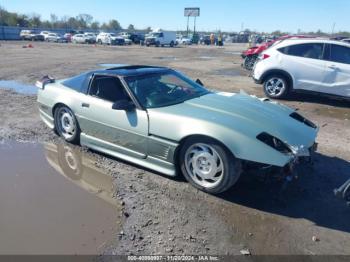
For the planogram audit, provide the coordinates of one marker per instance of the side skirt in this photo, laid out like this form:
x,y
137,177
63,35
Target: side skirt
x,y
48,120
110,149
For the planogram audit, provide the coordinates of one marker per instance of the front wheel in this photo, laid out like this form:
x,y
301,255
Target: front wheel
x,y
208,165
67,125
171,44
276,86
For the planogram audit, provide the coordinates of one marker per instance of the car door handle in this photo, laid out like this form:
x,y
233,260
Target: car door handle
x,y
85,105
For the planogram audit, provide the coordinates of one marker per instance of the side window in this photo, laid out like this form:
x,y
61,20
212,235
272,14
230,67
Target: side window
x,y
108,88
339,54
312,50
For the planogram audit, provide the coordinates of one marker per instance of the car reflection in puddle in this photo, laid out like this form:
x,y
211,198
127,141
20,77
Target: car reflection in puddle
x,y
80,169
64,207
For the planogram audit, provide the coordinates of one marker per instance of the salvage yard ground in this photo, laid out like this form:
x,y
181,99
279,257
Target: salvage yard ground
x,y
160,215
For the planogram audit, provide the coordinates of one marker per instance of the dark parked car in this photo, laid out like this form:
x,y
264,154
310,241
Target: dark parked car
x,y
136,38
31,35
53,37
204,40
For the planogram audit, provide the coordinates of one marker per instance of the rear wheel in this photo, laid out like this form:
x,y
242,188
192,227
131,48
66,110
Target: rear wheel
x,y
208,166
276,86
249,62
70,161
66,124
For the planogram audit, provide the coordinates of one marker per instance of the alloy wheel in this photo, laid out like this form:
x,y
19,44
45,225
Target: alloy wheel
x,y
204,165
275,86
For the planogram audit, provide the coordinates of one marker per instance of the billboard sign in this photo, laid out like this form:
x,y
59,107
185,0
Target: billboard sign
x,y
192,11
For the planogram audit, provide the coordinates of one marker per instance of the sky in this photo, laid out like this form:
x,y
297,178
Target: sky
x,y
225,15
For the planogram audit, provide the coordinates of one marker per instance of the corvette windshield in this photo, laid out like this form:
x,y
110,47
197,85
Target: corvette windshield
x,y
164,89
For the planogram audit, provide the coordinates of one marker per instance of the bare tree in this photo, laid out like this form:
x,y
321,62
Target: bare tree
x,y
131,27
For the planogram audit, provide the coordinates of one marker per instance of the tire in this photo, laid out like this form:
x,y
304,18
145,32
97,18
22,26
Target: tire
x,y
157,44
249,62
172,44
66,124
276,86
225,170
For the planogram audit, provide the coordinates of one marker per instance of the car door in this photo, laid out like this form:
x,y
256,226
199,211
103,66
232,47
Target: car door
x,y
305,63
106,39
80,39
337,70
119,130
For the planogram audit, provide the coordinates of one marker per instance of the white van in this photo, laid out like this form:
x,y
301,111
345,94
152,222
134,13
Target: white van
x,y
161,38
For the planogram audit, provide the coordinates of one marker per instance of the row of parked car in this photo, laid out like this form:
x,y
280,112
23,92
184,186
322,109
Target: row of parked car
x,y
80,37
304,64
157,37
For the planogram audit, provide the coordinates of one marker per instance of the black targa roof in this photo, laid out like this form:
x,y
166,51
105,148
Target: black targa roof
x,y
80,82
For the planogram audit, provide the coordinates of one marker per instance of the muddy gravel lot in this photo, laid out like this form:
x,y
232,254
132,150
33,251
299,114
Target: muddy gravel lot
x,y
125,209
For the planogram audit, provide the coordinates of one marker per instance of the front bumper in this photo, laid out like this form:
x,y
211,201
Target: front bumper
x,y
303,156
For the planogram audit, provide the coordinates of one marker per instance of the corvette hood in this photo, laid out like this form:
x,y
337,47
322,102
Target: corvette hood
x,y
242,113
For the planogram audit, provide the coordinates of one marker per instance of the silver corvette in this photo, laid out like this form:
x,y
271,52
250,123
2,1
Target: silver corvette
x,y
160,119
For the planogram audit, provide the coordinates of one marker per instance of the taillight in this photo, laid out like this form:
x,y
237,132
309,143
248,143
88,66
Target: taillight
x,y
265,56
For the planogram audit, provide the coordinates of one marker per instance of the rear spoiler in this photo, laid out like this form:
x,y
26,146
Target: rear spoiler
x,y
43,81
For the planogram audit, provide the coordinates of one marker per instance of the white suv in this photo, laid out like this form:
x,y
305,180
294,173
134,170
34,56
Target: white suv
x,y
109,39
318,65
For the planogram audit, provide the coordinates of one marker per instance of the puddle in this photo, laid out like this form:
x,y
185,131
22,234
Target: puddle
x,y
207,57
54,201
227,72
166,58
233,53
18,87
112,65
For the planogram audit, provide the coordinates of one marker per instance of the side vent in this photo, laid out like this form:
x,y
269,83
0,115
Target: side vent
x,y
302,119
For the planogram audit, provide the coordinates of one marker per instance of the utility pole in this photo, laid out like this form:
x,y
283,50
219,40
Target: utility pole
x,y
194,26
333,28
188,20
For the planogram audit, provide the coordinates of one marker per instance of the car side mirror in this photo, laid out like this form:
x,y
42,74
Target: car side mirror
x,y
124,104
199,82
